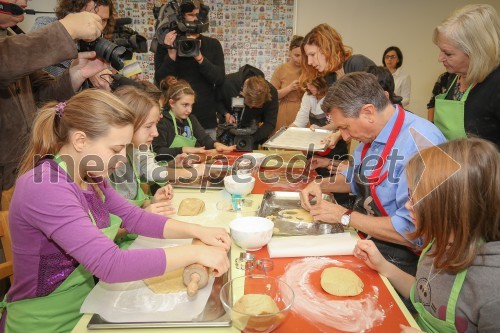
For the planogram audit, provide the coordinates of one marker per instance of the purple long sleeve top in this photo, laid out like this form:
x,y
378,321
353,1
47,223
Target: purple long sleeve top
x,y
52,233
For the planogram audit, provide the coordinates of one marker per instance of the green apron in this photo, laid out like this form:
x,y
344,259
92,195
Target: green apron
x,y
449,114
426,320
60,310
180,140
139,200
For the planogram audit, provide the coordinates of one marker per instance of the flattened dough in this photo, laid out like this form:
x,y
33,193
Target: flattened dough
x,y
191,207
168,283
341,282
298,214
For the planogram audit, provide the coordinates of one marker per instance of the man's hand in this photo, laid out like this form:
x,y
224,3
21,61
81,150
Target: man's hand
x,y
170,38
327,212
84,67
102,80
83,25
312,190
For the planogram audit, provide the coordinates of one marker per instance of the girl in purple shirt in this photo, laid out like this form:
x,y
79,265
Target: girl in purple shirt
x,y
64,216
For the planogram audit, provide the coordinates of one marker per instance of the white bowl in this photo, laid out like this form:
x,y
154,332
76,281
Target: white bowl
x,y
255,158
240,184
251,232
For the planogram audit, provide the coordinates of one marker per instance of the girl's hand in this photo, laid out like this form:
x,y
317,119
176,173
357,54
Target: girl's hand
x,y
194,150
165,193
222,148
216,237
314,127
213,257
163,208
368,251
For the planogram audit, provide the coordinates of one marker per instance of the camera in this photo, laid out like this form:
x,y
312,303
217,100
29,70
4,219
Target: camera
x,y
127,37
234,134
107,51
170,17
124,41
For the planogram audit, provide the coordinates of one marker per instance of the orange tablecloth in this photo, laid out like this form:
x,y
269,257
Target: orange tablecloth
x,y
296,322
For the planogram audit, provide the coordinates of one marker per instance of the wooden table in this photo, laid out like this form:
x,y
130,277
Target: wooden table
x,y
395,311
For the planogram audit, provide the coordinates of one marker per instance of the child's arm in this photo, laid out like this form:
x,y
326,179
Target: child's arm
x,y
367,251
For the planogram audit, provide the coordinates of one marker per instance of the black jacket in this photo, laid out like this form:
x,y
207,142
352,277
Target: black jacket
x,y
204,78
267,115
166,134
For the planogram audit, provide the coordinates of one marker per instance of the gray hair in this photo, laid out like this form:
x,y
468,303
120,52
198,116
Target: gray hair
x,y
475,30
354,90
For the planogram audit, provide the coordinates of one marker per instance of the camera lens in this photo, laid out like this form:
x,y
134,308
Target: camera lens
x,y
188,47
242,144
112,53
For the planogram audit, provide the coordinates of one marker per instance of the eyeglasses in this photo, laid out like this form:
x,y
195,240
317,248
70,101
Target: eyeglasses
x,y
391,56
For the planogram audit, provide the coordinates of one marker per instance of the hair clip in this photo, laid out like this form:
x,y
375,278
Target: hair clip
x,y
60,109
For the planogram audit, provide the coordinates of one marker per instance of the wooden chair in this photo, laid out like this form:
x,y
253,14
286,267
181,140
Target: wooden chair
x,y
6,198
6,268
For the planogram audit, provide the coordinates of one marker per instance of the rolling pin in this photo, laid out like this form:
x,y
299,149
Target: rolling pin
x,y
195,276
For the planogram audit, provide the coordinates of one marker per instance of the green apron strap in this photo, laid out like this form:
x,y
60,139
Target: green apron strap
x,y
455,292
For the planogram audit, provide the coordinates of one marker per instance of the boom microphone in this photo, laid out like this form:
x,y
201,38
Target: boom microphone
x,y
16,10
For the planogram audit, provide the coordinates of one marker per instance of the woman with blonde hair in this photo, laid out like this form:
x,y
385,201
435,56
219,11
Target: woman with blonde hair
x,y
286,80
64,216
469,44
453,199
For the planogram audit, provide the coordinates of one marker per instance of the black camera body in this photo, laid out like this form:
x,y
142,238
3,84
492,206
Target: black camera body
x,y
170,16
235,134
107,51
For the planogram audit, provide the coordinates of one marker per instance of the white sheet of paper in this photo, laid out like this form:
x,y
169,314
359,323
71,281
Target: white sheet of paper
x,y
135,302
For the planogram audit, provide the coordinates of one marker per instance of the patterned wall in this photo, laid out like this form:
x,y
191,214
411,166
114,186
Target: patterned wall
x,y
256,32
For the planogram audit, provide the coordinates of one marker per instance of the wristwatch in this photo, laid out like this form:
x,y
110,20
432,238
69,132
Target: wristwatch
x,y
345,219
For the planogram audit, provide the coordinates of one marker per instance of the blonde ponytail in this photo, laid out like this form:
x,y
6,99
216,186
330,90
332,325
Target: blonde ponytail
x,y
92,111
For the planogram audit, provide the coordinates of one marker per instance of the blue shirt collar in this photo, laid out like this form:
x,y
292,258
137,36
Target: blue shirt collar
x,y
383,136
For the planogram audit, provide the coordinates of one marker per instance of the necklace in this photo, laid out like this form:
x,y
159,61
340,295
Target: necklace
x,y
430,278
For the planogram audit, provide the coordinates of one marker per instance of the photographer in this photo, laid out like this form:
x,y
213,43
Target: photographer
x,y
204,71
102,8
260,103
23,84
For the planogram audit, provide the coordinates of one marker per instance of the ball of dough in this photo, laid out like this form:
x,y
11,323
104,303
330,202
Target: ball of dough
x,y
341,282
256,304
191,207
252,305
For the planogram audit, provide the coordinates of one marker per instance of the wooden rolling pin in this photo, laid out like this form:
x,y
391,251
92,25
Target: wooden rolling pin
x,y
195,276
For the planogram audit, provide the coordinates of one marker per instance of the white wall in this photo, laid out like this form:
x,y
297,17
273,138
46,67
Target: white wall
x,y
43,5
369,27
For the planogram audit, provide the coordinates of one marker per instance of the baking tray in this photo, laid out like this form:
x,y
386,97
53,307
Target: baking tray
x,y
296,138
275,201
213,315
